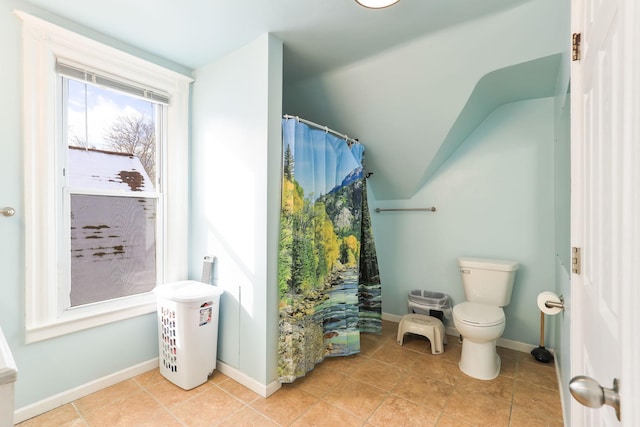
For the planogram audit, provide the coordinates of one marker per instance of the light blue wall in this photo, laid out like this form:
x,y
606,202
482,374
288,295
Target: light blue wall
x,y
495,199
235,194
494,195
49,367
424,86
559,325
417,96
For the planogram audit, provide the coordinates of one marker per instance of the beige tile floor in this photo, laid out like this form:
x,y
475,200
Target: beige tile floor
x,y
385,385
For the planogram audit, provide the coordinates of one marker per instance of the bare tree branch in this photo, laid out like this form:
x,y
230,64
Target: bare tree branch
x,y
135,134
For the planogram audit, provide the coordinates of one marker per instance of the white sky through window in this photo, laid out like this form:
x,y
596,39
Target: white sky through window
x,y
101,109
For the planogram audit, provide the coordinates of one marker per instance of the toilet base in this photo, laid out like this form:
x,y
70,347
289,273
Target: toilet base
x,y
479,359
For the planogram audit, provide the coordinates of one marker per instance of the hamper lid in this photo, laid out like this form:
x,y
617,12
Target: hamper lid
x,y
188,291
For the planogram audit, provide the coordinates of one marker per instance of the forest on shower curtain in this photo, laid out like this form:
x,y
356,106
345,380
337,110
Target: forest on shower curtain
x,y
327,267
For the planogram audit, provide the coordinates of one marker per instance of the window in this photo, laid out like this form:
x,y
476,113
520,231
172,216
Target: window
x,y
104,224
111,191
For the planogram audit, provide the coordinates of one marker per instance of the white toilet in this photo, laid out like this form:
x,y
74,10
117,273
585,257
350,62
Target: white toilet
x,y
480,320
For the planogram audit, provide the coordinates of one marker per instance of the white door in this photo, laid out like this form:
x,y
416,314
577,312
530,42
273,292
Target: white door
x,y
605,206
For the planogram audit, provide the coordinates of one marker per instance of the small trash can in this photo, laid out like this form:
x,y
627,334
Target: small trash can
x,y
188,331
435,304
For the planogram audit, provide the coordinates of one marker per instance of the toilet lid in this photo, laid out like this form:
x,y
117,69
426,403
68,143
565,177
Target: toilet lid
x,y
474,313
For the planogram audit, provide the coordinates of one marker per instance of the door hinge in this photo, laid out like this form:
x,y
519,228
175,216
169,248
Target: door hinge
x,y
576,260
575,47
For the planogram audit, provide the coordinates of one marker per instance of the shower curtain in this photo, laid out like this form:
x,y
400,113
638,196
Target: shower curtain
x,y
328,277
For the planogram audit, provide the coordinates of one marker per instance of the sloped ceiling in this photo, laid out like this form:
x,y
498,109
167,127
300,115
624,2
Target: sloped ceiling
x,y
405,79
413,105
529,80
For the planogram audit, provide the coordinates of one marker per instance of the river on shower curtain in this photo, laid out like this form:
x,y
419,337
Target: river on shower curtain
x,y
328,276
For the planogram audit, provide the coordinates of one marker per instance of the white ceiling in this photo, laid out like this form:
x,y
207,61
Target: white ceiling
x,y
414,63
318,35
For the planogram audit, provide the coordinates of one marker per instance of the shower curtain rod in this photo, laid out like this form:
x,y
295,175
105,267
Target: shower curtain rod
x,y
350,141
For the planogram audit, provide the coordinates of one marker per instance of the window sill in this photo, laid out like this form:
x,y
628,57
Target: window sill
x,y
91,316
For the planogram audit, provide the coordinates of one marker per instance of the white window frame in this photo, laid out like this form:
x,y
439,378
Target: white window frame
x,y
43,43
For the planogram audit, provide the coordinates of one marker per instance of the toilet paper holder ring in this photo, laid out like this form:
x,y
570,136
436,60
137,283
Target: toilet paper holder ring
x,y
555,304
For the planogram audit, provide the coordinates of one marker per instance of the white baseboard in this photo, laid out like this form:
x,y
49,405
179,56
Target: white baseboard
x,y
391,317
255,386
515,345
502,342
264,390
79,392
561,388
76,393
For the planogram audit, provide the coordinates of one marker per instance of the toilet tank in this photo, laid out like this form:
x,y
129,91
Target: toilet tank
x,y
488,281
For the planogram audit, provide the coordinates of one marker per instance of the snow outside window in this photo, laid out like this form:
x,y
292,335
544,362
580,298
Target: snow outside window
x,y
103,223
112,194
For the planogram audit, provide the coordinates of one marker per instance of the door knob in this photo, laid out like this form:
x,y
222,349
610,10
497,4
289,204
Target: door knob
x,y
589,393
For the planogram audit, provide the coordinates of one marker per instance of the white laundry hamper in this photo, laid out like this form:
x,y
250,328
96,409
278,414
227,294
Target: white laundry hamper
x,y
188,331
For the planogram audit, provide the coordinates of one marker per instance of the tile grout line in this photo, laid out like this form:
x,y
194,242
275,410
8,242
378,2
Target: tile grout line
x,y
519,373
164,407
245,405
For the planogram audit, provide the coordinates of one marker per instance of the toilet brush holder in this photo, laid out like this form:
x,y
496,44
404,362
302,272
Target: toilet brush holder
x,y
541,354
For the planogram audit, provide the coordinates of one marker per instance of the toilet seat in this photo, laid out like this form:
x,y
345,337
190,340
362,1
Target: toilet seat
x,y
478,315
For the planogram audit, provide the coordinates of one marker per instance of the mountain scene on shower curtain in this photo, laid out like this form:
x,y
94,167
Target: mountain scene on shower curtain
x,y
318,263
327,238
